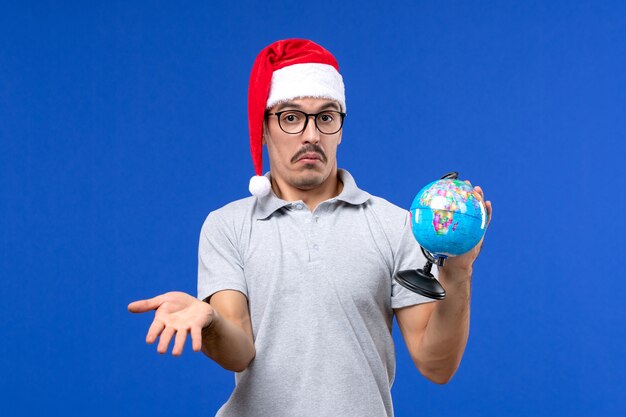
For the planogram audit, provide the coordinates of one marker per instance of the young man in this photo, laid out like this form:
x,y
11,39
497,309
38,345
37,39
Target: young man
x,y
296,282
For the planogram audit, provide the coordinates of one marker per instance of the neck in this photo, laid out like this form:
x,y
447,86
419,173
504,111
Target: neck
x,y
330,188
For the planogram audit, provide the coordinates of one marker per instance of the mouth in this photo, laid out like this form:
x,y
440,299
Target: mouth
x,y
310,154
310,158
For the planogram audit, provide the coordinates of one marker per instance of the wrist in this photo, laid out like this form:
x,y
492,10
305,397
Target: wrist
x,y
211,318
454,274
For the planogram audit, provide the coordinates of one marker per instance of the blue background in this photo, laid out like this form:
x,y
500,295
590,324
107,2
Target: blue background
x,y
122,124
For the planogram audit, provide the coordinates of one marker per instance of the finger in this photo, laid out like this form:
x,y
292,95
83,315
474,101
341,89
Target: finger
x,y
179,343
467,182
196,338
141,306
155,330
165,338
479,191
489,211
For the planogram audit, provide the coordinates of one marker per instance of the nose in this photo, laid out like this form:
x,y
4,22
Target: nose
x,y
311,133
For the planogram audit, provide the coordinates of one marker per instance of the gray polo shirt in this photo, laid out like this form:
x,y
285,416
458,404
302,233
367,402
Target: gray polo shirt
x,y
321,297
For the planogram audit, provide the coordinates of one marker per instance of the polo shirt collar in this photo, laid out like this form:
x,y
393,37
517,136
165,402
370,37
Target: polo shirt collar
x,y
350,194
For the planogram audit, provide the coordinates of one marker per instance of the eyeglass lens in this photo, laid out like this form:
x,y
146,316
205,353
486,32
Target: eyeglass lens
x,y
294,121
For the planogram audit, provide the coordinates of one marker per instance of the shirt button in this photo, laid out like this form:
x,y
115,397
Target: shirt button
x,y
298,206
316,247
307,220
317,219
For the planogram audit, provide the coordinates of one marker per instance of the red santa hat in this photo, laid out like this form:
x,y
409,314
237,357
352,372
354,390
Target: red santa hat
x,y
285,70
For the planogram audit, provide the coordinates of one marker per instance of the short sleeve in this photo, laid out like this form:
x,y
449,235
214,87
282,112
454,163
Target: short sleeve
x,y
219,262
407,255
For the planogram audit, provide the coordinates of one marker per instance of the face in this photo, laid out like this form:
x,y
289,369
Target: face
x,y
304,160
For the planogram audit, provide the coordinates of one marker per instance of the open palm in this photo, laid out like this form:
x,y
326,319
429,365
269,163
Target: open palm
x,y
177,314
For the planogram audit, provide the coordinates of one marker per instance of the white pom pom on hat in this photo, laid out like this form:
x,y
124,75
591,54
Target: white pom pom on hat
x,y
259,186
285,70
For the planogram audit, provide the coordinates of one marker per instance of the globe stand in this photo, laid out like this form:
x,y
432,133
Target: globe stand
x,y
421,281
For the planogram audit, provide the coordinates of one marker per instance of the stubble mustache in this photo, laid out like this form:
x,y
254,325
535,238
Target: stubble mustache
x,y
311,147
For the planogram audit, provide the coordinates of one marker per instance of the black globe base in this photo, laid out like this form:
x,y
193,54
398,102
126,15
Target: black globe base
x,y
422,282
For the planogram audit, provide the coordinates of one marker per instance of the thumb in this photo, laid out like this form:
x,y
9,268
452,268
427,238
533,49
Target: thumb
x,y
141,306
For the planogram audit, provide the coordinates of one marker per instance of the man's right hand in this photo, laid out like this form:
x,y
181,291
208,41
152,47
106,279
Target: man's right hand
x,y
177,314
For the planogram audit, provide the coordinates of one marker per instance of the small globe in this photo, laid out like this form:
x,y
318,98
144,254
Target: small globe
x,y
448,217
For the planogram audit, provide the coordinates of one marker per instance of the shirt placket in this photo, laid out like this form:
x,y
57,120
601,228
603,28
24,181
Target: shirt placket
x,y
303,220
316,232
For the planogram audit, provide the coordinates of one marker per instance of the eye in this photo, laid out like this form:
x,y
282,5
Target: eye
x,y
290,117
326,117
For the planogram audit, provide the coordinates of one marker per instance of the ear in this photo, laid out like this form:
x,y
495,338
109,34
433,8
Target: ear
x,y
265,134
340,136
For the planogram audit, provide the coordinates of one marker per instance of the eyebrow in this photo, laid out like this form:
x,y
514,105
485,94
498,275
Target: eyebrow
x,y
291,104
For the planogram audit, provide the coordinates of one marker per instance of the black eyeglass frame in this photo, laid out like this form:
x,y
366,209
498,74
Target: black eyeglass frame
x,y
306,120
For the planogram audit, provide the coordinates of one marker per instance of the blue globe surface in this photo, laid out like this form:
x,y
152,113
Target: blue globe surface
x,y
448,217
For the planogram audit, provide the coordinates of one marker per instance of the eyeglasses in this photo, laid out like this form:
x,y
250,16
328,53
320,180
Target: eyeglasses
x,y
294,122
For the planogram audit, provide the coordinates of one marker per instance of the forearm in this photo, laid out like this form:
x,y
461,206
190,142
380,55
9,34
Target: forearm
x,y
227,344
446,334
